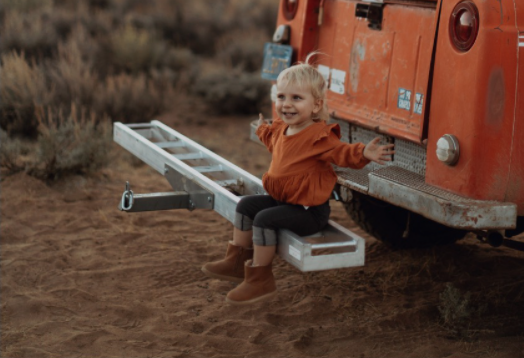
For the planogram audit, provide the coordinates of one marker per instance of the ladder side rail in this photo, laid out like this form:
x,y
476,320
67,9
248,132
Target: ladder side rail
x,y
225,201
251,182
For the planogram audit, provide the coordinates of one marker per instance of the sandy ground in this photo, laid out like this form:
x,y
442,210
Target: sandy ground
x,y
82,279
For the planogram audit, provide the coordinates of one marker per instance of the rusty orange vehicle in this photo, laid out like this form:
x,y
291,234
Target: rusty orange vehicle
x,y
441,79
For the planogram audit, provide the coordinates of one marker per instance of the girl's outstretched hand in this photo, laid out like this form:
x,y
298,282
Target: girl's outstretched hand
x,y
378,153
261,119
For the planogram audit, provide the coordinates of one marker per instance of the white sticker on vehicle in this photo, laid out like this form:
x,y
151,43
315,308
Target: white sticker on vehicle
x,y
294,252
419,102
404,99
274,93
338,79
324,71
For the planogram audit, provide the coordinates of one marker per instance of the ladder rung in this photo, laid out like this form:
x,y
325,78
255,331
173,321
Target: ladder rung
x,y
140,126
174,144
209,168
187,156
226,182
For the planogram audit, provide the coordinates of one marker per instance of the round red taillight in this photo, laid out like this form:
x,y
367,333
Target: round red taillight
x,y
464,25
289,8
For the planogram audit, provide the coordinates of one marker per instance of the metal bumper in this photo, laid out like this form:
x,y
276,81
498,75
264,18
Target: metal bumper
x,y
408,190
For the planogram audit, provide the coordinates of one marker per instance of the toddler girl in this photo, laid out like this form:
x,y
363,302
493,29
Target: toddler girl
x,y
299,182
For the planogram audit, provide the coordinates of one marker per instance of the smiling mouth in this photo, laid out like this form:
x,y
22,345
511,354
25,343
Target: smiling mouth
x,y
288,114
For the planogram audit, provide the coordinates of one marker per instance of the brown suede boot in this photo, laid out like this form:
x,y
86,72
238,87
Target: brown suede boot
x,y
258,285
231,268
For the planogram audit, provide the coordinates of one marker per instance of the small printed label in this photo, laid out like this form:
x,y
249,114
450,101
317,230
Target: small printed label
x,y
294,252
338,79
404,99
419,102
324,71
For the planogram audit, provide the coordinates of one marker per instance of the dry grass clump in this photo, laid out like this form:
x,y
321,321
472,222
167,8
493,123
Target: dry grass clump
x,y
233,91
455,306
26,5
14,153
29,32
23,90
458,310
239,49
130,99
76,143
72,77
135,50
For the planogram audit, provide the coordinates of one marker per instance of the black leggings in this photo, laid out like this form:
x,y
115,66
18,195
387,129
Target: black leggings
x,y
265,215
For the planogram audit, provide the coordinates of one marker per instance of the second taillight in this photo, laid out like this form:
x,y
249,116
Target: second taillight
x,y
464,25
289,8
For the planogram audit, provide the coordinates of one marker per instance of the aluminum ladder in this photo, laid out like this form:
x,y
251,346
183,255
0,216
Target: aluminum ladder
x,y
204,180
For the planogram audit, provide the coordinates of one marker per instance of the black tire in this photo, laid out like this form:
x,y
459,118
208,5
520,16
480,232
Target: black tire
x,y
389,223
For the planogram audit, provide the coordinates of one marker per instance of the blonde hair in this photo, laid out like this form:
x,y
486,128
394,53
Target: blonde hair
x,y
303,74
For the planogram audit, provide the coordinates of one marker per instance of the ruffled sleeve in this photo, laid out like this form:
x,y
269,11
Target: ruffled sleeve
x,y
340,153
265,133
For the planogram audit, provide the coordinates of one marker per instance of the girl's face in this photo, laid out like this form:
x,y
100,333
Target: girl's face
x,y
295,104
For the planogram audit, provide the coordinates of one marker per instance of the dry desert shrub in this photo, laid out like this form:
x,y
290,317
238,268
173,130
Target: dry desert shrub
x,y
14,152
455,306
23,90
30,33
231,91
218,18
200,24
72,143
135,50
241,49
76,143
130,99
72,77
249,15
26,5
458,311
184,64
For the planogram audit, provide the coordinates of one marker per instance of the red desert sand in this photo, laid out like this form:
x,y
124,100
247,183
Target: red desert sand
x,y
82,279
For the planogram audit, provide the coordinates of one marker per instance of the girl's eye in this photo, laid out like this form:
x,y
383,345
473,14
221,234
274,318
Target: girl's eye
x,y
297,97
280,96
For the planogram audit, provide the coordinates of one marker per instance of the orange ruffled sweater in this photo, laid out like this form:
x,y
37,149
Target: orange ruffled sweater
x,y
300,171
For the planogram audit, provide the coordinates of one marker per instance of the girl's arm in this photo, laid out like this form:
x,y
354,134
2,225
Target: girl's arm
x,y
265,132
355,155
344,154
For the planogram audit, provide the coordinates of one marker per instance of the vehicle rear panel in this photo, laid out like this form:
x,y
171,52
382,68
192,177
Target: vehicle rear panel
x,y
379,78
474,98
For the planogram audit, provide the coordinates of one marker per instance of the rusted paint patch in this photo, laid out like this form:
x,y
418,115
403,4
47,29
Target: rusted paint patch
x,y
496,98
358,54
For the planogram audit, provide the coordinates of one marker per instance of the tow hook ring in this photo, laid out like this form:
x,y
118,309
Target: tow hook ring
x,y
127,198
